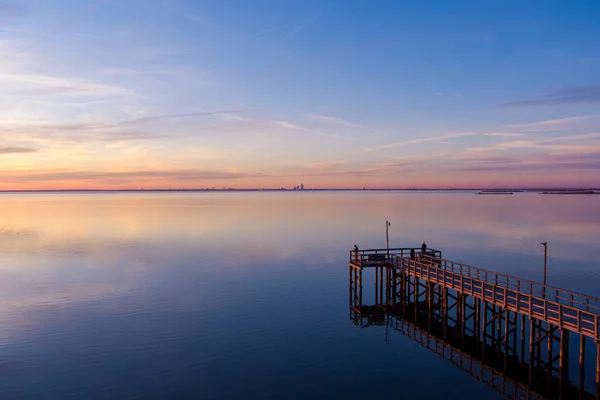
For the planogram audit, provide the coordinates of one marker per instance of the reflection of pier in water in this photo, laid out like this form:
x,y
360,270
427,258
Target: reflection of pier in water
x,y
512,334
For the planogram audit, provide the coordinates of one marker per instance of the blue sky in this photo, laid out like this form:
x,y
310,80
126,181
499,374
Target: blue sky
x,y
192,93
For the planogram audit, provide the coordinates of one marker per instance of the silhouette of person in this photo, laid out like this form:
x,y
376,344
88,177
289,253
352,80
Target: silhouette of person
x,y
355,248
412,254
423,248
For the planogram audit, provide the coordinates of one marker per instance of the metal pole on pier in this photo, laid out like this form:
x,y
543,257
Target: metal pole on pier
x,y
387,238
545,244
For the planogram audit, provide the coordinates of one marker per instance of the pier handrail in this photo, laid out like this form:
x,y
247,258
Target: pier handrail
x,y
363,255
525,286
572,317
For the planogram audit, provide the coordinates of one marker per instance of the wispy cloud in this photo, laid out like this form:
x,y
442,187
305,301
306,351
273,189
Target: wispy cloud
x,y
439,138
560,144
490,160
16,150
583,160
340,168
510,145
286,125
559,124
110,132
504,134
122,176
30,83
573,95
325,165
333,120
255,123
180,116
571,138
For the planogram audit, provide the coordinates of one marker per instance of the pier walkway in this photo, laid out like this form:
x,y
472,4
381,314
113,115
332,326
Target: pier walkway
x,y
519,319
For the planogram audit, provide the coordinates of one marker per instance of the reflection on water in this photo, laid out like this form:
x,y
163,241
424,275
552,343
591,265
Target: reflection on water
x,y
239,295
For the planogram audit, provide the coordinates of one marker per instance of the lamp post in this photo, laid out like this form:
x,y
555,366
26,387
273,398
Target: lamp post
x,y
545,244
387,238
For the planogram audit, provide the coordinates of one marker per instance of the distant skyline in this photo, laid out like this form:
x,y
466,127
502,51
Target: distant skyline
x,y
170,94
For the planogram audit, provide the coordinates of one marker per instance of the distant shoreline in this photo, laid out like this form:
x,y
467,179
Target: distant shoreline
x,y
482,191
572,192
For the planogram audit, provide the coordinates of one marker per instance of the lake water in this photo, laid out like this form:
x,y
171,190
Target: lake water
x,y
245,295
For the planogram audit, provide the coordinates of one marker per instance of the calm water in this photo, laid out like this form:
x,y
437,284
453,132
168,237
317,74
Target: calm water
x,y
245,295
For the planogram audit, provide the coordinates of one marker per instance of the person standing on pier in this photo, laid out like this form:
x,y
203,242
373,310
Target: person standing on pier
x,y
412,254
423,248
356,252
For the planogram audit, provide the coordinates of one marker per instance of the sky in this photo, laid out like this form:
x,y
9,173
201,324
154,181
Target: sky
x,y
169,94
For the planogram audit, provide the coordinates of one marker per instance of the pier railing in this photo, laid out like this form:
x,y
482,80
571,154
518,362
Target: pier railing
x,y
573,311
558,295
375,257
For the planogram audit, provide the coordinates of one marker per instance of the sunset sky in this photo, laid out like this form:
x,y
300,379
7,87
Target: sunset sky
x,y
114,94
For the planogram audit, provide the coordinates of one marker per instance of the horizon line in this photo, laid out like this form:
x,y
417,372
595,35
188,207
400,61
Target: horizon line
x,y
500,189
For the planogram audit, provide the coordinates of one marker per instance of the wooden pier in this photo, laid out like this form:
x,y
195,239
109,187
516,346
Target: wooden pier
x,y
516,331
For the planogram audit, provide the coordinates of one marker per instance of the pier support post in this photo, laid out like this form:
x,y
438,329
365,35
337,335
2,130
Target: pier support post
x,y
506,338
462,306
381,283
522,339
564,361
499,313
430,299
444,311
388,297
532,335
416,291
403,295
597,370
476,322
350,283
375,281
484,328
360,288
550,358
581,366
515,325
351,288
538,347
394,277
